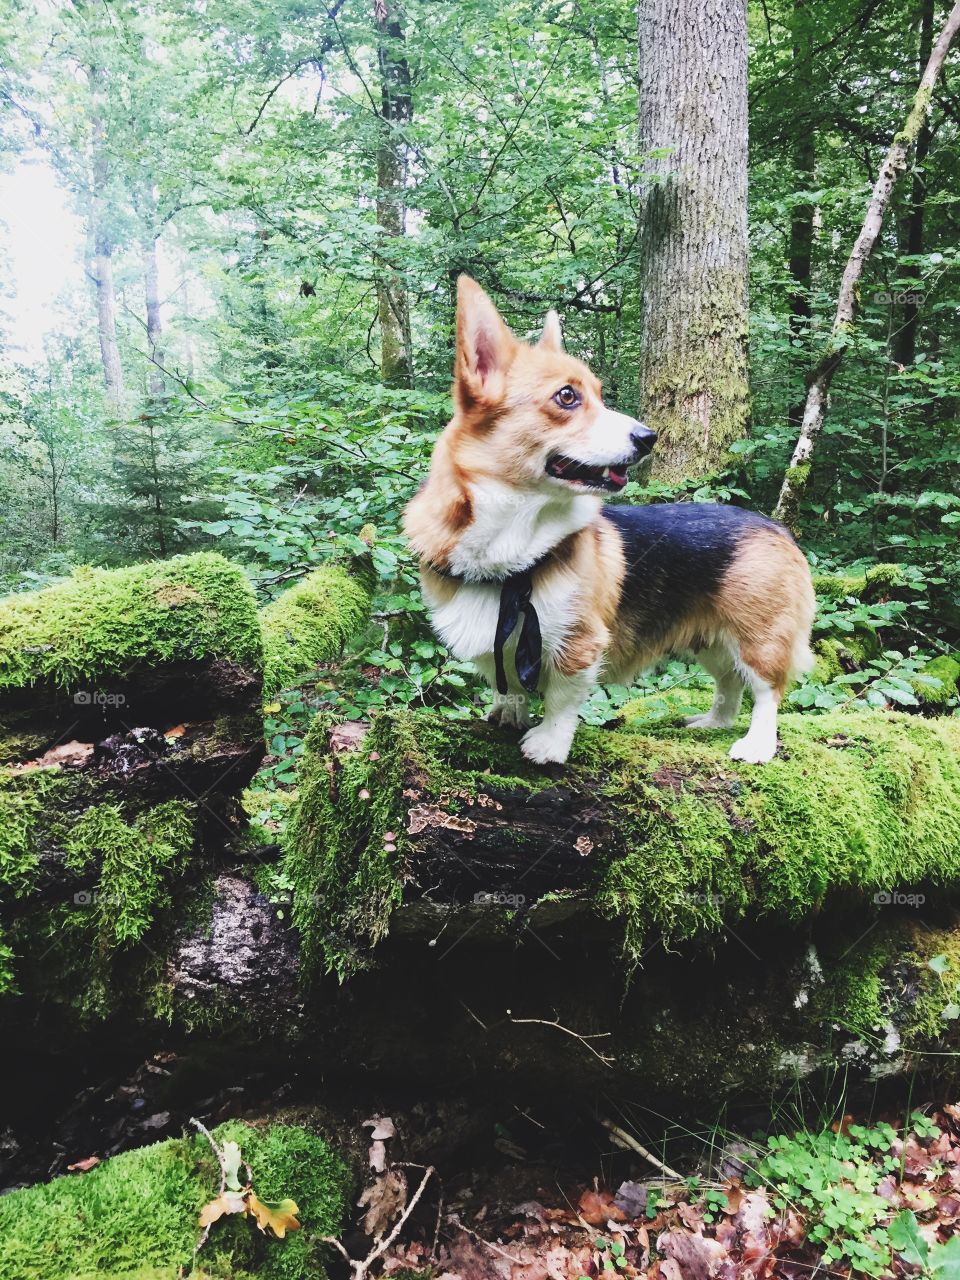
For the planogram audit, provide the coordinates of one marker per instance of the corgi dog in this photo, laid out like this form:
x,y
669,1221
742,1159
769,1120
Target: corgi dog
x,y
529,576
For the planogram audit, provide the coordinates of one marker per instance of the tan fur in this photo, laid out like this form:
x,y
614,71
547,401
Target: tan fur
x,y
504,425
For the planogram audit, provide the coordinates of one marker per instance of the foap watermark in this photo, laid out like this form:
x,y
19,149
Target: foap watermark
x,y
98,698
94,898
703,899
497,898
897,898
900,297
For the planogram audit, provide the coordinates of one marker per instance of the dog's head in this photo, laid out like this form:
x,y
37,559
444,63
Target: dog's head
x,y
533,416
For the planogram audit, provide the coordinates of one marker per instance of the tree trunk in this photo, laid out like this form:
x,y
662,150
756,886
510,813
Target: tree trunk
x,y
103,264
396,110
905,346
151,289
815,410
801,219
693,100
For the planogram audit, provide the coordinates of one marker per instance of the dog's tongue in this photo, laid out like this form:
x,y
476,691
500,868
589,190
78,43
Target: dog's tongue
x,y
619,478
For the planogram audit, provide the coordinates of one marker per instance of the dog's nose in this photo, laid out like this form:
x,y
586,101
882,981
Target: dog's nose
x,y
642,439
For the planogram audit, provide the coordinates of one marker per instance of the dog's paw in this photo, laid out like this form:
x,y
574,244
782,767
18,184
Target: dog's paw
x,y
753,750
545,746
510,712
707,721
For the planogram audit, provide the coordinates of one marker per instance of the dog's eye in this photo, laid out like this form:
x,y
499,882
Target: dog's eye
x,y
567,398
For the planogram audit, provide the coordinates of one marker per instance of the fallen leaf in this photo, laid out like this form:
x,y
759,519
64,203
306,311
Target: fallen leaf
x,y
83,1166
598,1208
231,1165
280,1216
229,1202
696,1257
631,1197
384,1200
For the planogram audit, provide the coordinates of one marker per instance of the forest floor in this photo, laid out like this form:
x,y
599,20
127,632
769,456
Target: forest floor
x,y
545,1190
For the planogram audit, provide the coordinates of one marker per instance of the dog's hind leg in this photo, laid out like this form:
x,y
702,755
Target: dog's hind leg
x,y
760,742
728,691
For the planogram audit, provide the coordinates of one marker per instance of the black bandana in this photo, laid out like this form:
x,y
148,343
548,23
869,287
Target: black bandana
x,y
514,600
515,593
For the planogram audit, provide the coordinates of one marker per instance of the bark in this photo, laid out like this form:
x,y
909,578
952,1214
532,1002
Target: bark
x,y
815,408
103,248
802,217
693,101
151,289
905,346
396,111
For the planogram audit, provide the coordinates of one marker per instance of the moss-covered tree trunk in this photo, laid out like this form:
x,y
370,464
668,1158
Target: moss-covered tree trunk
x,y
693,110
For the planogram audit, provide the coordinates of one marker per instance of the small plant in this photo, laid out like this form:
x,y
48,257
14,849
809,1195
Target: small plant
x,y
831,1180
240,1198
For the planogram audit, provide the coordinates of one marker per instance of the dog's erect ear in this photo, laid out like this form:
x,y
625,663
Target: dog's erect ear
x,y
552,337
485,346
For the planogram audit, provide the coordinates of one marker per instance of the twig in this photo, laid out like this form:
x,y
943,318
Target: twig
x,y
360,1267
628,1140
598,1035
221,1161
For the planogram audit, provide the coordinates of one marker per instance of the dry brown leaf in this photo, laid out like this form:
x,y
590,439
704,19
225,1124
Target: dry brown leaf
x,y
83,1166
382,1129
697,1257
384,1200
228,1202
598,1208
347,736
67,755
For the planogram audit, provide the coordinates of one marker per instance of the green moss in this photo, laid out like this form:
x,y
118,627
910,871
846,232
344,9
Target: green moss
x,y
946,671
310,624
875,583
139,1212
135,859
100,622
855,802
347,878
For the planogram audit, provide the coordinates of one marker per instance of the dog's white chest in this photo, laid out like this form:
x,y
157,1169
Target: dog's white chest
x,y
467,623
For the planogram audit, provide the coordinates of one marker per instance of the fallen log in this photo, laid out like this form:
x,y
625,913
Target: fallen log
x,y
130,722
650,828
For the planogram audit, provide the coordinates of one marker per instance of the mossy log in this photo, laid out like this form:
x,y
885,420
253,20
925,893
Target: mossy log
x,y
649,827
724,928
130,722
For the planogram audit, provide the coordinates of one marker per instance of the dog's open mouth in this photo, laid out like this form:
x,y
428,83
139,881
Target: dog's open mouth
x,y
611,478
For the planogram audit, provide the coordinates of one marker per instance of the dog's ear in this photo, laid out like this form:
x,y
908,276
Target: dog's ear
x,y
485,346
552,337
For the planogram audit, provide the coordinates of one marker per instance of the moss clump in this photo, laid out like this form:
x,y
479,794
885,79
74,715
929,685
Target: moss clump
x,y
855,802
876,582
310,624
98,623
945,670
346,841
127,851
135,858
136,1215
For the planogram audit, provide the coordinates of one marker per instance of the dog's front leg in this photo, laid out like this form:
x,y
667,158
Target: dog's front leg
x,y
550,740
511,709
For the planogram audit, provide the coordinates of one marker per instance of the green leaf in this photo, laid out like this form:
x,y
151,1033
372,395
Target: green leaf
x,y
231,1165
939,964
945,1260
